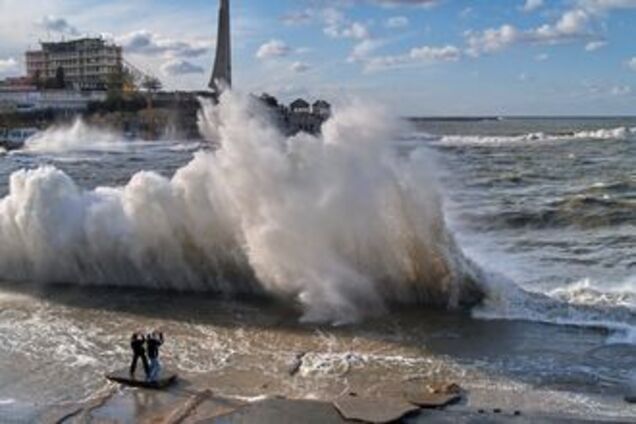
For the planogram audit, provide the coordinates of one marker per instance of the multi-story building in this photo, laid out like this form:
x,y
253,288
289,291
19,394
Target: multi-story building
x,y
87,63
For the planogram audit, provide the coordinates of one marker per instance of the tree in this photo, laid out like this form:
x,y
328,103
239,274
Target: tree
x,y
151,84
120,82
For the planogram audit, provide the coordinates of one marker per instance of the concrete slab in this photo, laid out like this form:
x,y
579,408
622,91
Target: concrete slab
x,y
282,411
373,410
165,379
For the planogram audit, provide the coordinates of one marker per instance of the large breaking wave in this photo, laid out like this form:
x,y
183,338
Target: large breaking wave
x,y
338,222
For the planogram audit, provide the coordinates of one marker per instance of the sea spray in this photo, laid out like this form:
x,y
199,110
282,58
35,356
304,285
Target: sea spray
x,y
338,222
76,136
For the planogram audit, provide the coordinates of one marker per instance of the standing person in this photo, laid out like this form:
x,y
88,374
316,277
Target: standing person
x,y
139,352
153,342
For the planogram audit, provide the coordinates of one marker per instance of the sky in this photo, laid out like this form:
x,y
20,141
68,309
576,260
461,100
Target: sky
x,y
419,57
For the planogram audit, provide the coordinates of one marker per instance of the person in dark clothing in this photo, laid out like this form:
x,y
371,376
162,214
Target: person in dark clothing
x,y
153,342
139,352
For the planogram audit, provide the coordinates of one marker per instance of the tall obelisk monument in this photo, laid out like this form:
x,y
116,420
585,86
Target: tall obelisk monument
x,y
222,73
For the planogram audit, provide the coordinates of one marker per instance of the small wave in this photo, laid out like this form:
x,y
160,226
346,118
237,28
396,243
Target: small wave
x,y
185,147
580,210
620,133
581,304
588,292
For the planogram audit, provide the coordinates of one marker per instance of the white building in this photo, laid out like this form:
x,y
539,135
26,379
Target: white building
x,y
87,63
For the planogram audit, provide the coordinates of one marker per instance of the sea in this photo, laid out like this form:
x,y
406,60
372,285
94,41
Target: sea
x,y
495,253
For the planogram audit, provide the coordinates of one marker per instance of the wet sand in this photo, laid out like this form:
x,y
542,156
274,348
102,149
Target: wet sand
x,y
240,352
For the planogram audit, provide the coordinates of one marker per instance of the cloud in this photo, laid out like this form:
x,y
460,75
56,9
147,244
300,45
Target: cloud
x,y
621,90
148,43
573,25
632,63
532,5
298,18
593,46
56,24
418,56
394,3
180,67
570,27
354,30
397,22
273,49
300,67
542,57
363,50
8,65
601,6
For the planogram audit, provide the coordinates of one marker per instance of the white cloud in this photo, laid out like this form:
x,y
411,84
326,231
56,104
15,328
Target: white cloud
x,y
632,63
148,43
593,46
621,90
298,18
542,57
56,24
492,39
397,22
427,53
532,5
273,49
570,27
363,50
572,22
180,67
300,67
601,6
8,65
424,55
354,30
393,3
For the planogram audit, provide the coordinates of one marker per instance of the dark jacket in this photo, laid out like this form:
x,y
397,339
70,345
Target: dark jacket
x,y
137,345
153,345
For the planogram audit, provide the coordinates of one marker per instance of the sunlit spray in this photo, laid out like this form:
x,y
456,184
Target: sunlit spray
x,y
338,222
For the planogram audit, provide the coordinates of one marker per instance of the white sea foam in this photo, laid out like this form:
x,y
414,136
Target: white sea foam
x,y
581,304
338,222
620,133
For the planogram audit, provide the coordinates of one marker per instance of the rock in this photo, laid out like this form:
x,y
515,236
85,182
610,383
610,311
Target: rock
x,y
630,398
373,410
445,388
432,400
296,364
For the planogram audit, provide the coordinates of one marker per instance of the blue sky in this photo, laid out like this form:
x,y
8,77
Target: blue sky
x,y
421,57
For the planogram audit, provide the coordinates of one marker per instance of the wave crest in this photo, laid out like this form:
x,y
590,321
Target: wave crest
x,y
338,222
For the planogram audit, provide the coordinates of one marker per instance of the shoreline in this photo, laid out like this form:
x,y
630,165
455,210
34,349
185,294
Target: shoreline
x,y
244,352
189,401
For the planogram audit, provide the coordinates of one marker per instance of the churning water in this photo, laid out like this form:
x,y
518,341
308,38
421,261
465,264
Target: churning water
x,y
376,222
